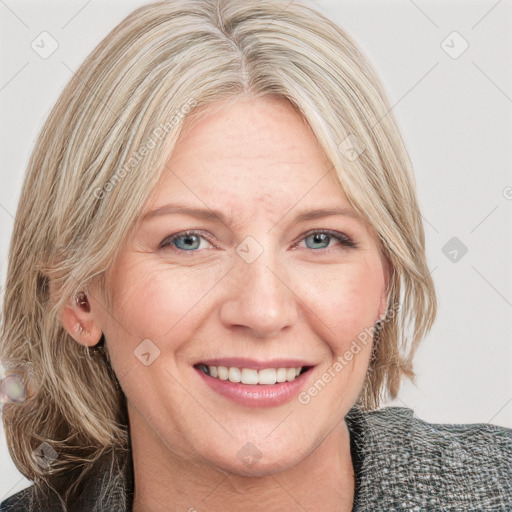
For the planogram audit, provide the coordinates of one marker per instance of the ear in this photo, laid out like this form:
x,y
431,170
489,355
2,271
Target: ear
x,y
78,320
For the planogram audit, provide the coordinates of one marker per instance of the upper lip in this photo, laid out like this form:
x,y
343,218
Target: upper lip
x,y
243,362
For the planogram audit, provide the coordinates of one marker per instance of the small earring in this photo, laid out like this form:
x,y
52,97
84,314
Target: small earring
x,y
82,302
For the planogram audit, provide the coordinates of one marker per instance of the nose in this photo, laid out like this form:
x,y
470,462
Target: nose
x,y
260,299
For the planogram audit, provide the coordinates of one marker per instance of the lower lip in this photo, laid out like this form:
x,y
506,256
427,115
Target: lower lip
x,y
257,395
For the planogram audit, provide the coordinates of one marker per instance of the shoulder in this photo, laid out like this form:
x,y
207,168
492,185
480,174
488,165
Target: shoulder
x,y
407,462
108,487
19,502
26,500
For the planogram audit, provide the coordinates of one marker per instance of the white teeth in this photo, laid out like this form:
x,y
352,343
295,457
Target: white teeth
x,y
290,374
281,375
223,372
234,374
267,376
251,376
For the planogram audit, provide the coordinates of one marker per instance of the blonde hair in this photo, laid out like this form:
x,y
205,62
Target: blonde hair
x,y
98,159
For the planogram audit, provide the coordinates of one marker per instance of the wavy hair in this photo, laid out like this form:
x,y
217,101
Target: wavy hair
x,y
98,159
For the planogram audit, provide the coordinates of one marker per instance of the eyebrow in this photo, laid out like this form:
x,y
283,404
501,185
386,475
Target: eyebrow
x,y
212,214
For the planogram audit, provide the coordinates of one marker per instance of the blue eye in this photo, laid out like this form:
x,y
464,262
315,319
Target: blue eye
x,y
321,239
187,241
190,241
318,239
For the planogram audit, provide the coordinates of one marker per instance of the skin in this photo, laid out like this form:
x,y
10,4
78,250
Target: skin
x,y
257,162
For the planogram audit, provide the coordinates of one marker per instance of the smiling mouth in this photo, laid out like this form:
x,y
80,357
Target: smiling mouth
x,y
250,376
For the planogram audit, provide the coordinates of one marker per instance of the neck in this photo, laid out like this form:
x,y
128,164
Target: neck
x,y
323,480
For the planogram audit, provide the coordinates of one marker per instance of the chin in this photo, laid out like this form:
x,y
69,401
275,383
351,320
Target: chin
x,y
252,466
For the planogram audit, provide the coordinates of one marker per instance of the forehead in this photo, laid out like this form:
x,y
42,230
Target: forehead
x,y
254,152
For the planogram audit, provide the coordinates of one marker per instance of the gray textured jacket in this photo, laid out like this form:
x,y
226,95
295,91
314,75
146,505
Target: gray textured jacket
x,y
400,462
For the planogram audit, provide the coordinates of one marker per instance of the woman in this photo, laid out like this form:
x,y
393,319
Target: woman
x,y
217,273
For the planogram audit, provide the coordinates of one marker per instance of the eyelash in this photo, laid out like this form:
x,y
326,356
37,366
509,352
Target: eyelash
x,y
345,241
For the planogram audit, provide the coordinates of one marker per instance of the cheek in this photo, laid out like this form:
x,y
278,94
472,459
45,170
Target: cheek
x,y
152,300
345,300
158,303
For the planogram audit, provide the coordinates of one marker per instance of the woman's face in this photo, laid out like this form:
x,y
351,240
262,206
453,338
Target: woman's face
x,y
226,271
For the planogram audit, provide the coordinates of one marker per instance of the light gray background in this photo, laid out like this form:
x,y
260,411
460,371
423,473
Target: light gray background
x,y
455,117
